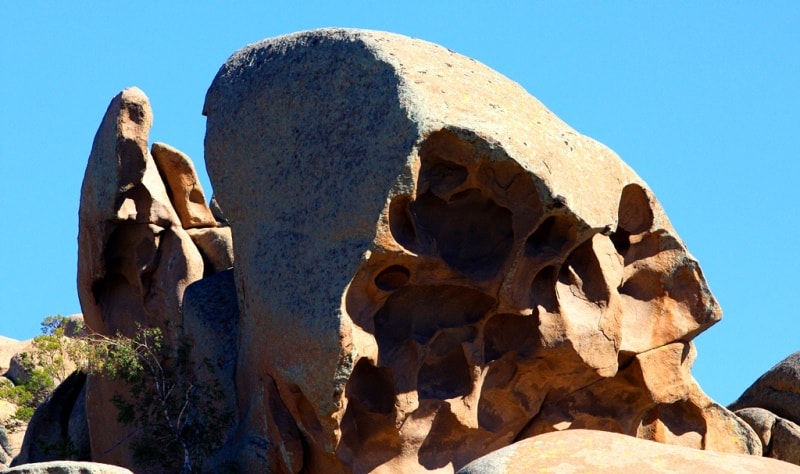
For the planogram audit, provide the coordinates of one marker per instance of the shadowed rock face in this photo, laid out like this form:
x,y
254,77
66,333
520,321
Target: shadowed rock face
x,y
458,268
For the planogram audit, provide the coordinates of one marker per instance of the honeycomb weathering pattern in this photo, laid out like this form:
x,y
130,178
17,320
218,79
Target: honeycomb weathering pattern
x,y
431,265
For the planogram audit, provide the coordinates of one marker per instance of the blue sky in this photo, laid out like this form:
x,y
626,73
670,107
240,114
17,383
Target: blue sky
x,y
700,98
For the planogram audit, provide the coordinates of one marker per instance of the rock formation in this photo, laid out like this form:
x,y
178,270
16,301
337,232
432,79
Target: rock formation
x,y
772,407
461,269
58,428
430,267
67,467
578,451
10,440
135,255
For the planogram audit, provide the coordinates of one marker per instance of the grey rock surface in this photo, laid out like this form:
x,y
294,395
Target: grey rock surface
x,y
17,371
5,447
778,390
67,467
780,437
48,435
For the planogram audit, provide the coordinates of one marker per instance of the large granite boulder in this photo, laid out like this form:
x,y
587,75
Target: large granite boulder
x,y
431,265
579,451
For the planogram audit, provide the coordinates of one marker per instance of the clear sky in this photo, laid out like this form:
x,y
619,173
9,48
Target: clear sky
x,y
702,99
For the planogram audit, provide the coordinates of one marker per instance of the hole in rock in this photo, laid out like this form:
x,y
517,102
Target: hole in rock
x,y
582,271
621,240
444,377
644,285
681,423
471,233
635,215
368,439
447,339
401,225
372,387
505,333
501,372
551,238
419,311
442,176
392,278
543,292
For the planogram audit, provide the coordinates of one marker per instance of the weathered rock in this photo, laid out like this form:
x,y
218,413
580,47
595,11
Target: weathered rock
x,y
458,265
579,451
785,443
10,439
9,348
78,428
134,257
48,436
74,326
6,451
211,319
19,371
778,390
216,247
762,421
67,467
780,438
217,212
183,186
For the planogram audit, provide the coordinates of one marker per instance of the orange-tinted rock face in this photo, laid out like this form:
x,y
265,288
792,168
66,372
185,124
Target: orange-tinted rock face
x,y
599,452
135,259
431,265
503,316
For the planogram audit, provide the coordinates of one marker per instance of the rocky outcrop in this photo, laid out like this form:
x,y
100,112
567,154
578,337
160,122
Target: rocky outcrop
x,y
10,370
183,186
460,267
577,451
67,467
135,257
772,407
58,429
778,390
6,451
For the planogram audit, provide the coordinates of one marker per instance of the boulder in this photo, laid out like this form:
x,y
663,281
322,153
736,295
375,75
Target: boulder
x,y
183,186
74,326
9,348
430,265
211,319
67,467
778,390
578,451
48,436
19,368
216,247
217,212
6,451
780,438
134,257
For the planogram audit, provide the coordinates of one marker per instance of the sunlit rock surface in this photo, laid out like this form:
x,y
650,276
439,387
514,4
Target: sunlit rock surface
x,y
431,265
